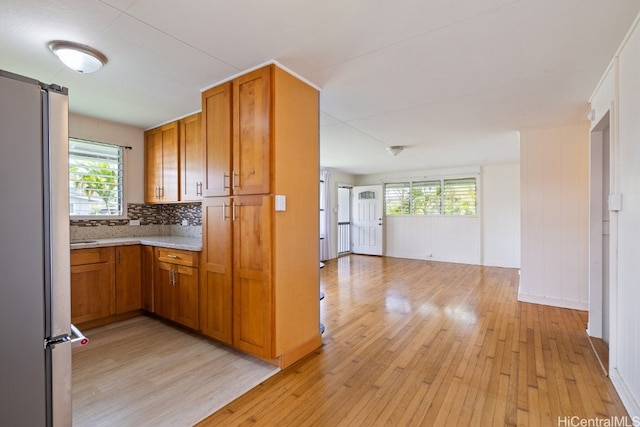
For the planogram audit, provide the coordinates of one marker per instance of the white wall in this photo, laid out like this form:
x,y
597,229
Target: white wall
x,y
554,166
625,288
500,214
491,238
83,127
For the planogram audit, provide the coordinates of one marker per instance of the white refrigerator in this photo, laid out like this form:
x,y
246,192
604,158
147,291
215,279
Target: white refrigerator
x,y
35,319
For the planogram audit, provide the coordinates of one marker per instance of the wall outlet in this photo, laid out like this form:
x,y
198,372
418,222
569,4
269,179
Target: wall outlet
x,y
134,222
185,222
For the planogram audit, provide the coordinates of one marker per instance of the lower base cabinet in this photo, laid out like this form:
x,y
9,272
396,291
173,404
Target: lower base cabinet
x,y
105,282
175,286
92,284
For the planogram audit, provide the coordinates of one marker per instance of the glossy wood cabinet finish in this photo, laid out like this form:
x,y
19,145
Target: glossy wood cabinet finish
x,y
252,133
252,294
265,262
216,294
128,276
92,284
161,164
176,286
237,125
148,257
191,183
216,127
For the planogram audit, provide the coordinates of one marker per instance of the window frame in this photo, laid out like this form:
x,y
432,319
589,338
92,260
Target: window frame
x,y
123,184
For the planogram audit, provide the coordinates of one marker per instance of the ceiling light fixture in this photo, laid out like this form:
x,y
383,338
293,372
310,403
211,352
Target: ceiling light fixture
x,y
395,150
78,57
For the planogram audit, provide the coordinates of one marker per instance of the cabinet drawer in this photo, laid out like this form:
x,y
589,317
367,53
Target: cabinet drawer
x,y
91,256
177,256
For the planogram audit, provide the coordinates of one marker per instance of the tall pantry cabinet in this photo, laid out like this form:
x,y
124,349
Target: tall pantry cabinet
x,y
259,285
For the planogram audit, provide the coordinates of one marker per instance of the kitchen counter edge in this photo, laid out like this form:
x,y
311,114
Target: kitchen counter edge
x,y
172,242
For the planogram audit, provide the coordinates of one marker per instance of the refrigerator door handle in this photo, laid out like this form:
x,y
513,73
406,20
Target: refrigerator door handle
x,y
78,337
51,342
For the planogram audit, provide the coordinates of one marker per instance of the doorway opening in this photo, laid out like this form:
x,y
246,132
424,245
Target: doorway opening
x,y
344,220
600,240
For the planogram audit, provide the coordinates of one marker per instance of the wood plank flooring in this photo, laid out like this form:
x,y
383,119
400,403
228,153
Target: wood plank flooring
x,y
144,372
418,343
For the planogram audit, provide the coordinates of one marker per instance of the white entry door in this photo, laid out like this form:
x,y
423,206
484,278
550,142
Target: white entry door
x,y
367,220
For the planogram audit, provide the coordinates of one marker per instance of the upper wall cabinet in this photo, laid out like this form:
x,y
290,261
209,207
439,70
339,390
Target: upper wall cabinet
x,y
173,161
237,122
190,158
161,164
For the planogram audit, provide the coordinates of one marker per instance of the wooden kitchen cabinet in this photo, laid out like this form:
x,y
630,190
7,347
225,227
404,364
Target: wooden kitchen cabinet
x,y
148,258
236,288
252,290
161,164
176,286
237,126
216,294
191,184
128,278
260,274
92,284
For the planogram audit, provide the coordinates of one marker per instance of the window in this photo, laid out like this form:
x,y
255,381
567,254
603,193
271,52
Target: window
x,y
396,198
425,198
95,179
459,197
433,197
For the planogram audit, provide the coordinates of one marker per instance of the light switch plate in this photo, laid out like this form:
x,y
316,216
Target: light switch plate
x,y
281,202
615,202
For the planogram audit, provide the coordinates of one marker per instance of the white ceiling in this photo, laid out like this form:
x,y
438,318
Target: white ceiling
x,y
452,80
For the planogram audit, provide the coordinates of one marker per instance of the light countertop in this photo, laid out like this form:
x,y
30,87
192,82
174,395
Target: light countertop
x,y
173,242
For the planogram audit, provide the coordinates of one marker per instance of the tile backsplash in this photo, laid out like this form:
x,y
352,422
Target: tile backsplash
x,y
154,220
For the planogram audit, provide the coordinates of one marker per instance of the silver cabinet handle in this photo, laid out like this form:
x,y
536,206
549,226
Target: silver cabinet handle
x,y
198,189
78,337
172,256
233,211
224,181
234,184
224,211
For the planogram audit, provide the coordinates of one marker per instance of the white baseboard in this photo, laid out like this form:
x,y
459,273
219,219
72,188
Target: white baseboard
x,y
534,299
629,402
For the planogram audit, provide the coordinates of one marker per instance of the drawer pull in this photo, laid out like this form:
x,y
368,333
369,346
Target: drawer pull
x,y
173,256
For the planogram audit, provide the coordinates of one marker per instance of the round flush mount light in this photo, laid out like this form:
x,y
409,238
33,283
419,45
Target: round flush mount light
x,y
81,58
395,150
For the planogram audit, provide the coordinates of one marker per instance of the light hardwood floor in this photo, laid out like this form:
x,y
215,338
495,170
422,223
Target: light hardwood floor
x,y
417,343
144,372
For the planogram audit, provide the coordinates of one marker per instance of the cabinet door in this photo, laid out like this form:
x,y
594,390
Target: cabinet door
x,y
252,296
170,152
161,164
147,278
216,304
252,132
186,296
191,158
128,279
216,126
164,290
91,292
152,165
